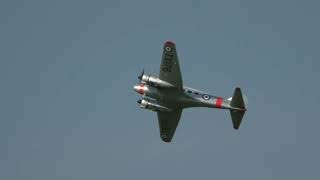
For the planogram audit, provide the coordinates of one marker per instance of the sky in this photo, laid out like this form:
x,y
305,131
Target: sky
x,y
68,110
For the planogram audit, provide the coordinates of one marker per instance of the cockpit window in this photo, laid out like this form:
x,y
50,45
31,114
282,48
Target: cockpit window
x,y
189,91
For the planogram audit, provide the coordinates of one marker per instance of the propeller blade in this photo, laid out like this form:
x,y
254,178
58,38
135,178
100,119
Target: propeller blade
x,y
141,75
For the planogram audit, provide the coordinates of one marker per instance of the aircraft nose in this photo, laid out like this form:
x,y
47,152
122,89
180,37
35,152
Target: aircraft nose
x,y
136,88
139,88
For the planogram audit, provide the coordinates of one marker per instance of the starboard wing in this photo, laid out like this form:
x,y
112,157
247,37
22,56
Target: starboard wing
x,y
168,122
170,69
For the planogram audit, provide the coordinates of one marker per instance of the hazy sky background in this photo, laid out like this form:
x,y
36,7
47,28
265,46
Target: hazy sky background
x,y
68,110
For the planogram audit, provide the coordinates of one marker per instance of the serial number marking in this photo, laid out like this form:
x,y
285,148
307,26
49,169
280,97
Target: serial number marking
x,y
167,63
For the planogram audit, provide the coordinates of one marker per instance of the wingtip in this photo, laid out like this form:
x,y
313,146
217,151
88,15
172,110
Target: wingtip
x,y
169,42
165,139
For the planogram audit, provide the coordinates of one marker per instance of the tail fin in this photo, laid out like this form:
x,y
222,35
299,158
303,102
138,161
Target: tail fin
x,y
237,108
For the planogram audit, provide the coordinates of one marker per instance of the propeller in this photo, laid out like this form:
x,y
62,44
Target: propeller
x,y
141,75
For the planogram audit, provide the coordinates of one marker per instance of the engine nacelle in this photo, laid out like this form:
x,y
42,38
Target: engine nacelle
x,y
155,82
152,106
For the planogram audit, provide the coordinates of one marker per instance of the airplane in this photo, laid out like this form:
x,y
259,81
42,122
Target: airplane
x,y
167,96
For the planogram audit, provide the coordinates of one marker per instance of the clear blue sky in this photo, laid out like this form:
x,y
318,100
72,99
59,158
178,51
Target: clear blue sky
x,y
68,110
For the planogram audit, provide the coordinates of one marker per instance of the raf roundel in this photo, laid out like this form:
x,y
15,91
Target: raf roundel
x,y
164,136
206,97
168,48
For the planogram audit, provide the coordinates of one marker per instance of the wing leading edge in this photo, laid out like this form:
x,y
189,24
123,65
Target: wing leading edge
x,y
169,68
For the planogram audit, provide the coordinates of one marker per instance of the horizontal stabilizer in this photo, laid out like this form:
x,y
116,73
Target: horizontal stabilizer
x,y
237,109
236,118
237,99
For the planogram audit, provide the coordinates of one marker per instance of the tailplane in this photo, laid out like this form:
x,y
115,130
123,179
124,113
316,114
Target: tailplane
x,y
237,107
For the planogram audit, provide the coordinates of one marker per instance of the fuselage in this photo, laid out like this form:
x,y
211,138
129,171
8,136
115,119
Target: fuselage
x,y
173,98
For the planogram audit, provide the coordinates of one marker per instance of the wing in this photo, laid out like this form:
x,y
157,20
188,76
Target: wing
x,y
168,122
170,69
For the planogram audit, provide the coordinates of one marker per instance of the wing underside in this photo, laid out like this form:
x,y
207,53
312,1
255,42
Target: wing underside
x,y
170,72
170,69
168,122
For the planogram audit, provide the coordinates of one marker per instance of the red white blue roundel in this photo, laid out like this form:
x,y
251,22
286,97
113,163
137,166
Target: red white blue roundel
x,y
206,97
164,136
168,48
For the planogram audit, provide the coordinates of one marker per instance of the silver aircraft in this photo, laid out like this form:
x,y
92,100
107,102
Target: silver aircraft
x,y
168,97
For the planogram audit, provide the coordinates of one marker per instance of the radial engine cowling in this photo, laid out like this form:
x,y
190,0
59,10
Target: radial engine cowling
x,y
152,106
155,82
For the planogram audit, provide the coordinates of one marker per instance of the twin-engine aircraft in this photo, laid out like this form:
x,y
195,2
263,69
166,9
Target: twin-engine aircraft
x,y
168,97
